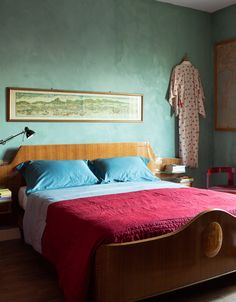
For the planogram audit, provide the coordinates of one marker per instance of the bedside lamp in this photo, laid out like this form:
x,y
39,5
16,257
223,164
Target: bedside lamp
x,y
27,132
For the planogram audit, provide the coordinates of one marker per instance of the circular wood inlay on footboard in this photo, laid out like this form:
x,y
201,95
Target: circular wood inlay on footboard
x,y
212,239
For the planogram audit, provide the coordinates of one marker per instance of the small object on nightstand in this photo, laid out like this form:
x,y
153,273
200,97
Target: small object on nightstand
x,y
8,222
184,180
172,168
5,192
175,177
5,201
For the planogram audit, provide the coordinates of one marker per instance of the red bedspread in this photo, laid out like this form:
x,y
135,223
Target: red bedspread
x,y
75,228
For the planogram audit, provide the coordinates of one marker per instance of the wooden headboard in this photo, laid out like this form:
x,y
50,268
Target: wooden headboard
x,y
11,179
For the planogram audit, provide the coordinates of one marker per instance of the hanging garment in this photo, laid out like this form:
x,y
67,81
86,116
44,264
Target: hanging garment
x,y
186,98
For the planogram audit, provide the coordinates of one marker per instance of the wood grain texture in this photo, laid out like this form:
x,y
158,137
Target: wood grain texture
x,y
9,233
25,276
132,271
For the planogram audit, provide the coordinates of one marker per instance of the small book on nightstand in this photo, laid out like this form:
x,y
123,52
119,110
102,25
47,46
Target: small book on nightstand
x,y
5,195
183,179
175,168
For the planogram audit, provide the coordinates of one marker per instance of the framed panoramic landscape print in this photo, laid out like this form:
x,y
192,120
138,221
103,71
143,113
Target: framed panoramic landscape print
x,y
26,104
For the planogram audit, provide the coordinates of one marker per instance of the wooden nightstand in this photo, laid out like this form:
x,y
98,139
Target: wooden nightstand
x,y
159,171
5,207
8,223
176,177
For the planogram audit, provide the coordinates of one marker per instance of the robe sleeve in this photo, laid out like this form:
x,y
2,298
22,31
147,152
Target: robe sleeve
x,y
201,98
174,93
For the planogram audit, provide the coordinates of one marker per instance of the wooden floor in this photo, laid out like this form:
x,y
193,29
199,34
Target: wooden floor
x,y
27,277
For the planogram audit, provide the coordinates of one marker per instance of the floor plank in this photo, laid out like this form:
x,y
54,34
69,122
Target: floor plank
x,y
9,233
221,289
26,277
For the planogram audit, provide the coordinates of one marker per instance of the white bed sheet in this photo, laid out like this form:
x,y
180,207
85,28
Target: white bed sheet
x,y
22,197
36,204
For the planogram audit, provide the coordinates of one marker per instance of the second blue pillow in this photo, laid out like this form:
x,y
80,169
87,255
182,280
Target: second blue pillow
x,y
122,169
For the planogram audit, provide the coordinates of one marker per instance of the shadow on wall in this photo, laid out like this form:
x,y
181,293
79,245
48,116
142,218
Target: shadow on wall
x,y
172,113
9,154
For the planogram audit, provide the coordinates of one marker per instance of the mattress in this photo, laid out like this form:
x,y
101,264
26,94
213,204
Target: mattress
x,y
36,204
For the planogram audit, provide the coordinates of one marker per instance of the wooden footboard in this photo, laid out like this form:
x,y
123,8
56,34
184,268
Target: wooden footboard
x,y
203,249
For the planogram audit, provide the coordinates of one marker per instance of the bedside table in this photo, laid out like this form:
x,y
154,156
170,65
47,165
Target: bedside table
x,y
175,177
8,224
5,207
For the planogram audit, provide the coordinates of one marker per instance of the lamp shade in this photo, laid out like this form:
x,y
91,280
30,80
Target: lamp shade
x,y
29,132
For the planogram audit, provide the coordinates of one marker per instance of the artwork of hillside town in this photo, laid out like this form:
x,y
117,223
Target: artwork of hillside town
x,y
38,105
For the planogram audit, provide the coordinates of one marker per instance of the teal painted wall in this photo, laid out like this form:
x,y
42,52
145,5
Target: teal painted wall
x,y
224,25
106,45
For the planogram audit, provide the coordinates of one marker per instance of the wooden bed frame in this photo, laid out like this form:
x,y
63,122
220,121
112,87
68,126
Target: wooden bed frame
x,y
203,249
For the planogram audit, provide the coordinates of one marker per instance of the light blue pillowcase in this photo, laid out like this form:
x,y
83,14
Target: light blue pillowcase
x,y
54,174
122,169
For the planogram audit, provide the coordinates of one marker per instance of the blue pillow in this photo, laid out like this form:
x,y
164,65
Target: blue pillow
x,y
54,174
122,169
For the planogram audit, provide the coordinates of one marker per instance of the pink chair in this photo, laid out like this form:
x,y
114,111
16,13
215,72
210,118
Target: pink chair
x,y
229,187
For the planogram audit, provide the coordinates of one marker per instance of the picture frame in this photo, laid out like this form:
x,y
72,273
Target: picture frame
x,y
49,105
225,85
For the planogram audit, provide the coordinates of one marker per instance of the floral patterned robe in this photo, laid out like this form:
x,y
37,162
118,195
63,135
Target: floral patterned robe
x,y
186,98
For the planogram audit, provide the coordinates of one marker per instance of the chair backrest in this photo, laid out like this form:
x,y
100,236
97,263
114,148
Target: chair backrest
x,y
229,170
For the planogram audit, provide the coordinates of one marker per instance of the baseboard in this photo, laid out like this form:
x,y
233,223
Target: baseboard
x,y
9,234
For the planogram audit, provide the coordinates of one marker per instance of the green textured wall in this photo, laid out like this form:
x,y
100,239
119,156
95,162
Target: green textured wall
x,y
106,45
224,25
